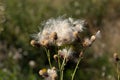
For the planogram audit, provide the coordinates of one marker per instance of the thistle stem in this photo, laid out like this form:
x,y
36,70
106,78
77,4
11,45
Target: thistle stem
x,y
59,63
73,75
62,68
117,69
48,56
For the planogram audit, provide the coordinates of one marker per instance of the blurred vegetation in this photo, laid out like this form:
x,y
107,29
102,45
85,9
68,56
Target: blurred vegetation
x,y
19,19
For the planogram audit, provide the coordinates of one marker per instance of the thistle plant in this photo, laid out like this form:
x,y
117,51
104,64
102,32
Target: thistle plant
x,y
70,42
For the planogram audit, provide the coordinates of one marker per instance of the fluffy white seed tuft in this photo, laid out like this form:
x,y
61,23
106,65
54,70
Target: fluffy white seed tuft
x,y
62,28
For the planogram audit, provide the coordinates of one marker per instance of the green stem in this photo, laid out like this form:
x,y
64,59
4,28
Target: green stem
x,y
63,64
48,56
76,68
59,63
62,68
61,75
117,65
49,59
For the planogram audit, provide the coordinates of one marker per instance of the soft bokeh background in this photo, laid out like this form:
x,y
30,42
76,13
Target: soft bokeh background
x,y
19,19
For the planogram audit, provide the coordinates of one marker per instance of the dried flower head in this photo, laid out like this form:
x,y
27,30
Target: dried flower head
x,y
68,54
44,42
49,74
63,31
43,72
34,43
116,58
88,42
93,37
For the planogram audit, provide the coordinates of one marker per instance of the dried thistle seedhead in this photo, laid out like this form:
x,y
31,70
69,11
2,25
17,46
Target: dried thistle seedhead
x,y
34,43
60,31
86,42
69,54
52,73
116,58
43,72
53,36
49,74
93,37
44,43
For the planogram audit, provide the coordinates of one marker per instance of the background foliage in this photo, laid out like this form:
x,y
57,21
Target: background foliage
x,y
19,19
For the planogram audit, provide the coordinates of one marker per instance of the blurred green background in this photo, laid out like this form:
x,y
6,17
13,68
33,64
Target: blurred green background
x,y
19,19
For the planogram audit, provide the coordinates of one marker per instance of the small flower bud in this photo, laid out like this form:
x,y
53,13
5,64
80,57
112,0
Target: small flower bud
x,y
92,38
55,57
34,43
116,58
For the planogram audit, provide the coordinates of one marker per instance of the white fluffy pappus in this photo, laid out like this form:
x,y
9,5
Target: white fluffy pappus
x,y
64,28
68,54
